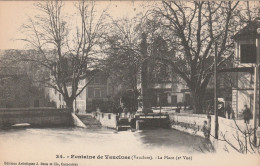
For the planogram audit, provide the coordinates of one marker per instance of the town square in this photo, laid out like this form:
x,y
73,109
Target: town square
x,y
129,82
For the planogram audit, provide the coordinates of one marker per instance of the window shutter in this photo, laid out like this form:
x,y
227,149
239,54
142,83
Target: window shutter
x,y
104,92
248,53
90,92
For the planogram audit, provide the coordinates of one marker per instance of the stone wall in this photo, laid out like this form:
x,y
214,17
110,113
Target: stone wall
x,y
229,130
106,119
36,117
189,123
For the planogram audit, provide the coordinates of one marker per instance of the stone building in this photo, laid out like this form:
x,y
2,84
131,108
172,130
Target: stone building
x,y
97,91
18,89
244,61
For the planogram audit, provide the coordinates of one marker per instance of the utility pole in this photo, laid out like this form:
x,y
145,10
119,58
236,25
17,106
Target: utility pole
x,y
256,84
258,64
215,90
255,95
73,89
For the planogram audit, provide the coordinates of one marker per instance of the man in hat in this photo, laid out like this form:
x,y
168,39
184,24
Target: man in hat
x,y
247,114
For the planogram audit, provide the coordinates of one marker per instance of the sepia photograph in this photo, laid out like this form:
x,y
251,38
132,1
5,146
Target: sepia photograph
x,y
100,83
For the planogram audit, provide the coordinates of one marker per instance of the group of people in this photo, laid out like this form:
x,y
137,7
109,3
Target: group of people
x,y
247,114
227,112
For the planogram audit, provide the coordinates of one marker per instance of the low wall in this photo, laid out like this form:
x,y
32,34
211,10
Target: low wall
x,y
106,119
229,133
189,123
229,130
36,117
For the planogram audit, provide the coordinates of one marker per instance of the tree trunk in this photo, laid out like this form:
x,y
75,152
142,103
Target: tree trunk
x,y
197,101
69,104
144,76
144,87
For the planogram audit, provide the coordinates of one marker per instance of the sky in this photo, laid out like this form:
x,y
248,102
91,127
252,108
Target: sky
x,y
15,13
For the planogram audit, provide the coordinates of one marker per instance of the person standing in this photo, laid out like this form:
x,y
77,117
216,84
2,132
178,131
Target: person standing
x,y
247,114
205,130
228,110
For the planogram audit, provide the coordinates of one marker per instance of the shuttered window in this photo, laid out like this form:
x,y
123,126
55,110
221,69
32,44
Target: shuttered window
x,y
104,92
100,92
91,92
97,92
248,53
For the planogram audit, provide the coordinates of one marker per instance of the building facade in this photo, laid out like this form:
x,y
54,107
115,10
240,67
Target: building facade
x,y
18,85
97,90
245,59
165,88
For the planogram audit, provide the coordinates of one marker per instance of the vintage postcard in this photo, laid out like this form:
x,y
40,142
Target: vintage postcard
x,y
87,83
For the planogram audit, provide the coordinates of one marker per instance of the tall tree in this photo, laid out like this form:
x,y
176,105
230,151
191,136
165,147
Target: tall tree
x,y
133,48
128,54
66,50
122,51
191,29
